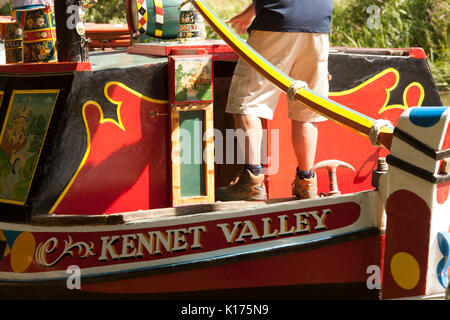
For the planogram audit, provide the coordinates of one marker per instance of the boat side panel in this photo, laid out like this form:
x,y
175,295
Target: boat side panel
x,y
112,156
336,264
33,253
37,85
339,267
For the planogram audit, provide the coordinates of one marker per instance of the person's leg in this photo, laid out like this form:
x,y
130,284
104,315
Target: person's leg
x,y
304,140
251,145
252,97
250,183
311,67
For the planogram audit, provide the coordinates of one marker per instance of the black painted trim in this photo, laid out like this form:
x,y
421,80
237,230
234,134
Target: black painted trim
x,y
422,147
322,291
418,172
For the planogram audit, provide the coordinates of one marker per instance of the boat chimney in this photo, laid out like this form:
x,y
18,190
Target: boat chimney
x,y
73,46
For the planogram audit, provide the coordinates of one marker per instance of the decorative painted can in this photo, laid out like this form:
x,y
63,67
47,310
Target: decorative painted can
x,y
153,18
191,26
12,34
39,34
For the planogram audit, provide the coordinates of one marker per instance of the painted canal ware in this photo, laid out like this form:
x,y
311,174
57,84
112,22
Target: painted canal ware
x,y
191,25
21,139
39,33
12,35
108,196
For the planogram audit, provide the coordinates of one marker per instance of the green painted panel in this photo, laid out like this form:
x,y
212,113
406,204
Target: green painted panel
x,y
192,166
120,58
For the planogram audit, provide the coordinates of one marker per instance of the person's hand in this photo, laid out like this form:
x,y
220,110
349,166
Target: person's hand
x,y
241,21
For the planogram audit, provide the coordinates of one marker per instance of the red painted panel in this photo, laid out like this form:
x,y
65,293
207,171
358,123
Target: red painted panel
x,y
446,143
418,53
407,231
341,263
41,253
121,247
126,164
43,68
443,191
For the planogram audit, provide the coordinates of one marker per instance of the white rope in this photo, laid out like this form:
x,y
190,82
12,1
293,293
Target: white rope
x,y
294,88
375,130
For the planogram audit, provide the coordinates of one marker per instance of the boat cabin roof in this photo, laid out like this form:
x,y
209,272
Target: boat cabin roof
x,y
120,58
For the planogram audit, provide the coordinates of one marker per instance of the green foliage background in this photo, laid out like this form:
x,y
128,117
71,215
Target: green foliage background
x,y
107,11
403,24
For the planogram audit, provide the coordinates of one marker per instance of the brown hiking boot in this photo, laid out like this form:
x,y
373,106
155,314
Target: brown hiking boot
x,y
246,187
305,188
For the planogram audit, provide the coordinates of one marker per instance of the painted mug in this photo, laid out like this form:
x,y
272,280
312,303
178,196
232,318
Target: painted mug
x,y
12,34
191,26
39,34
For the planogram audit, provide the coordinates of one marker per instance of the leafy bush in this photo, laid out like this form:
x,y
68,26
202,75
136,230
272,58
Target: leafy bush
x,y
402,24
107,11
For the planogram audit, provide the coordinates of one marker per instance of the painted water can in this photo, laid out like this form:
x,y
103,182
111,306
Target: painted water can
x,y
153,18
191,26
39,34
12,34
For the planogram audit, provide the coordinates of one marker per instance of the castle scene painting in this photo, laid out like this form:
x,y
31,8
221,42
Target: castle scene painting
x,y
21,141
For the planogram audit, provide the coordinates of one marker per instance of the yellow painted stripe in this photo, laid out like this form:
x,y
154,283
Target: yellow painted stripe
x,y
330,109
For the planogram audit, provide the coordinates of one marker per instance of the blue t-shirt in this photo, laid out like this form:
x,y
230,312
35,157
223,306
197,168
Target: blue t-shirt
x,y
312,16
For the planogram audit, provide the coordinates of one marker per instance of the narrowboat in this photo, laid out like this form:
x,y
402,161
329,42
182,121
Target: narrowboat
x,y
111,151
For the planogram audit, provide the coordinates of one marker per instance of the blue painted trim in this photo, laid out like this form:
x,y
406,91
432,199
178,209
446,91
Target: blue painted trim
x,y
444,264
426,117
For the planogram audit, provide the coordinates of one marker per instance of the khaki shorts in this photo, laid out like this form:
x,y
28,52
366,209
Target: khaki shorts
x,y
303,56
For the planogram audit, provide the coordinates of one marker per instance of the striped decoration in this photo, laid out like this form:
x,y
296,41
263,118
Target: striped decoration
x,y
142,15
159,18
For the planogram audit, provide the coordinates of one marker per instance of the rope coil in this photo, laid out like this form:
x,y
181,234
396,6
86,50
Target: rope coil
x,y
295,86
375,130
